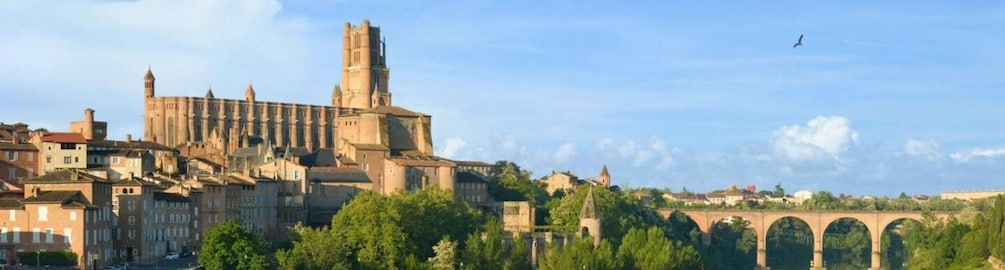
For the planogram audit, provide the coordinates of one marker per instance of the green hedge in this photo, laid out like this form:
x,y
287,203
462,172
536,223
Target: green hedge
x,y
51,258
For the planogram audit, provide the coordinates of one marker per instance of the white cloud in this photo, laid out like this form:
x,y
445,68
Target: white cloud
x,y
655,152
564,152
822,136
975,153
921,147
451,147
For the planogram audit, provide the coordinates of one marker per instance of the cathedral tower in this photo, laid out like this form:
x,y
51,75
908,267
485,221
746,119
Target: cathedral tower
x,y
589,219
364,67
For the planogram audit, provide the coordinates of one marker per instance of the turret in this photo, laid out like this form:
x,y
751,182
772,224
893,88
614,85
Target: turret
x,y
337,96
249,94
148,84
589,219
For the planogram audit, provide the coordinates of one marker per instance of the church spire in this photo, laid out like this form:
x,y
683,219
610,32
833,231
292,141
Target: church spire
x,y
589,218
590,209
209,92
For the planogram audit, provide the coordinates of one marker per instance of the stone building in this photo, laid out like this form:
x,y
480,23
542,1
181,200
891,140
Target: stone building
x,y
132,204
18,161
172,120
61,151
66,210
92,130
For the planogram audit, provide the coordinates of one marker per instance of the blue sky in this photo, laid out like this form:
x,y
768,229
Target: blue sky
x,y
883,97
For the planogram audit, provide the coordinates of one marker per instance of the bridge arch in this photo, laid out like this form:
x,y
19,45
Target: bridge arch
x,y
818,221
792,237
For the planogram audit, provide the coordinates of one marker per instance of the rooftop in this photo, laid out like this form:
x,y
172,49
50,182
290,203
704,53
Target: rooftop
x,y
64,137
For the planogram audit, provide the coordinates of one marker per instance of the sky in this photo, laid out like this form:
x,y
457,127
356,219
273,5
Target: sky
x,y
883,97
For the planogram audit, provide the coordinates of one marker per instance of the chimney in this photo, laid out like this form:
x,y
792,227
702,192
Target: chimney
x,y
129,137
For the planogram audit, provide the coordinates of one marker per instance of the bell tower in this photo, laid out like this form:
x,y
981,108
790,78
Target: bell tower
x,y
364,67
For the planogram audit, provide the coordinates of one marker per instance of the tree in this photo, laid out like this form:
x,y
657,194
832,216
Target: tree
x,y
313,249
484,252
228,245
444,250
519,255
779,191
580,254
650,249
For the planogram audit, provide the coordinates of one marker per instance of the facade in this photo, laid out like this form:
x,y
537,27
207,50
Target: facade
x,y
211,206
61,151
518,216
18,161
170,226
328,188
472,187
564,181
132,205
63,211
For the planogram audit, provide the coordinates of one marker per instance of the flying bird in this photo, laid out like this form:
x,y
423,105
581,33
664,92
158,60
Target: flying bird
x,y
799,42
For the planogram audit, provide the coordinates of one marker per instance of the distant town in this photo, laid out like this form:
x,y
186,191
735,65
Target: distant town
x,y
269,166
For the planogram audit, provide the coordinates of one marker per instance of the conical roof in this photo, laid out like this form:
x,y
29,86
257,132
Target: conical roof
x,y
209,93
150,74
603,172
250,90
337,91
590,209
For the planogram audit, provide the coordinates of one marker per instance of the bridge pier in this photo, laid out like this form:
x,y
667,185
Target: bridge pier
x,y
875,253
818,252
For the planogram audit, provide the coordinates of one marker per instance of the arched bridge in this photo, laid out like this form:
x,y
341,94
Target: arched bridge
x,y
818,220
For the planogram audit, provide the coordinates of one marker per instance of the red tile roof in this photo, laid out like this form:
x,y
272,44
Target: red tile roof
x,y
64,137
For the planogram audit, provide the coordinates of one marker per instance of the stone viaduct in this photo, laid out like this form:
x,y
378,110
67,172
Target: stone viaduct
x,y
818,220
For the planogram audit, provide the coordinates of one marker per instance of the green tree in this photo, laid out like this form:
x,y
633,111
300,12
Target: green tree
x,y
484,249
651,249
619,214
779,191
313,249
580,254
228,245
519,255
444,250
734,243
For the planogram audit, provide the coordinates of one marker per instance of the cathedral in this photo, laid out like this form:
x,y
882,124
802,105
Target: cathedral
x,y
174,120
361,128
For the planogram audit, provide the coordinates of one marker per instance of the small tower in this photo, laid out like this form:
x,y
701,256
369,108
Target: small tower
x,y
605,178
337,96
148,84
249,94
375,98
209,92
589,219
